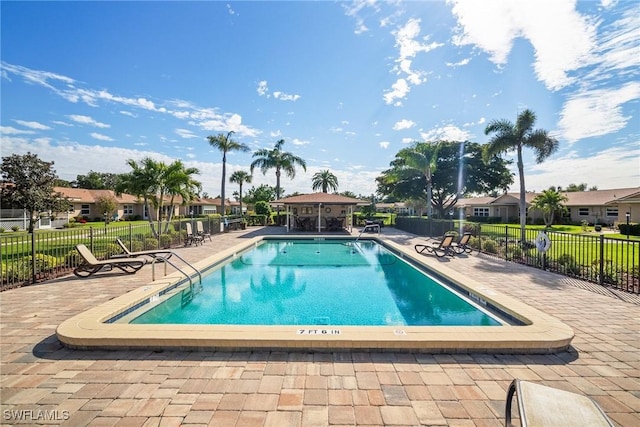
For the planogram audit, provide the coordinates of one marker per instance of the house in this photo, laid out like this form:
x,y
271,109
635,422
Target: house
x,y
599,206
205,206
399,208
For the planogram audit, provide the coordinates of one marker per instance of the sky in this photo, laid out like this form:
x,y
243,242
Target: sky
x,y
346,85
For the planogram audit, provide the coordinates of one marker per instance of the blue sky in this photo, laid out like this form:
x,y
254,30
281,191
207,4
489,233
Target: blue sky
x,y
89,85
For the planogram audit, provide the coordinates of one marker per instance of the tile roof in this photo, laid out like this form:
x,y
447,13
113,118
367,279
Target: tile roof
x,y
324,198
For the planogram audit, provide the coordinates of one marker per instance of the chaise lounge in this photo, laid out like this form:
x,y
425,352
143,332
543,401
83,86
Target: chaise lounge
x,y
440,249
91,265
153,253
462,245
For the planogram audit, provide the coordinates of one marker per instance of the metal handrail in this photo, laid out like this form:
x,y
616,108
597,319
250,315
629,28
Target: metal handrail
x,y
166,261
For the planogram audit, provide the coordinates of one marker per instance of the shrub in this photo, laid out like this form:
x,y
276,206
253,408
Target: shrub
x,y
262,208
136,246
515,252
16,271
632,230
166,240
15,228
112,249
2,230
568,265
150,243
490,246
43,262
72,258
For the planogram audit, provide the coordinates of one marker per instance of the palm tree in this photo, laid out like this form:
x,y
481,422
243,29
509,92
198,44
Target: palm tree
x,y
509,136
225,144
325,180
549,202
240,177
278,160
178,181
142,182
422,157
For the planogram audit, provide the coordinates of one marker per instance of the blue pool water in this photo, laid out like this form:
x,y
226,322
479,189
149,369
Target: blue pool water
x,y
318,282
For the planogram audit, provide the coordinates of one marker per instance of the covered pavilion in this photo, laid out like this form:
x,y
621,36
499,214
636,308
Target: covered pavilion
x,y
319,211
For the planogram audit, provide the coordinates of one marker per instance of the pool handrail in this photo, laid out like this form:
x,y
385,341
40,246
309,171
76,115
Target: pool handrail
x,y
166,261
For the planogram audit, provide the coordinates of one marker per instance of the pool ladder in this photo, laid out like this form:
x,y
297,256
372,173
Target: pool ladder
x,y
166,261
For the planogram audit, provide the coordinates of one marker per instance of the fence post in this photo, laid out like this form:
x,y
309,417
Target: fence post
x,y
33,257
131,236
601,276
91,239
506,242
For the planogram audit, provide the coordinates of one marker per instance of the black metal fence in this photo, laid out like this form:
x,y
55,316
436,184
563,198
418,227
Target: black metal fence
x,y
29,258
596,258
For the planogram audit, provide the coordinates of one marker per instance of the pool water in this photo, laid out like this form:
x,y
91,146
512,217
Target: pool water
x,y
318,282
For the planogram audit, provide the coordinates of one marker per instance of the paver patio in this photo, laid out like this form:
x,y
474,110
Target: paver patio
x,y
43,382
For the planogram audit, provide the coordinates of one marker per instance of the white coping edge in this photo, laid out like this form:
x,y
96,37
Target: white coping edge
x,y
541,333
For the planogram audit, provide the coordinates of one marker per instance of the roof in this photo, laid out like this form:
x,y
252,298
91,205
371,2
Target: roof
x,y
90,196
315,198
574,198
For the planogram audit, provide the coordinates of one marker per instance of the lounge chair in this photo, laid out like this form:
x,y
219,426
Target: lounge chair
x,y
153,253
462,245
91,265
440,249
200,231
540,405
192,237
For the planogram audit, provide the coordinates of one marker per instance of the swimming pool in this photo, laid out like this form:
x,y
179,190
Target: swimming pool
x,y
319,282
106,325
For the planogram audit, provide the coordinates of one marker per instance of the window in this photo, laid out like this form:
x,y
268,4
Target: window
x,y
612,212
85,210
306,210
127,209
480,211
583,212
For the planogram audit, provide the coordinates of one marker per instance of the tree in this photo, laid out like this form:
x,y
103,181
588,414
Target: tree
x,y
152,181
549,202
240,177
422,156
324,180
278,160
261,193
28,184
225,144
508,136
97,181
460,170
106,204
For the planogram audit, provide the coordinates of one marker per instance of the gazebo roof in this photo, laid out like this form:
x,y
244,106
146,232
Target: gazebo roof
x,y
317,198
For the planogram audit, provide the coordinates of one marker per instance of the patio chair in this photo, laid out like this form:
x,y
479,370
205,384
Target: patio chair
x,y
153,253
201,232
192,237
91,265
462,245
543,406
440,249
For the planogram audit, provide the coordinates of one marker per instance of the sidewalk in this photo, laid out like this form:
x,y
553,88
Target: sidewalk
x,y
45,383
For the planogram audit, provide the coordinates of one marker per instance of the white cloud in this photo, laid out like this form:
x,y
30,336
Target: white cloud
x,y
297,141
285,96
127,113
263,89
399,90
185,133
32,125
562,38
408,47
404,124
9,130
86,120
384,144
596,112
447,133
100,136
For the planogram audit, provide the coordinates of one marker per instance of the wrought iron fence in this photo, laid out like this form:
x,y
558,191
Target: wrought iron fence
x,y
29,258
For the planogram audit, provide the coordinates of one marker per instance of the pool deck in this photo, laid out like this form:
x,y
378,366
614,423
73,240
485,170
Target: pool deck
x,y
40,379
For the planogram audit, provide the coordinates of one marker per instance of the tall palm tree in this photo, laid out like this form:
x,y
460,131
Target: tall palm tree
x,y
422,157
325,180
142,182
509,136
240,177
549,202
225,144
278,160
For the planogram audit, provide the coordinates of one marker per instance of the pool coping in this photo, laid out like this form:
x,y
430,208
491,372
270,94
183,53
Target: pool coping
x,y
540,332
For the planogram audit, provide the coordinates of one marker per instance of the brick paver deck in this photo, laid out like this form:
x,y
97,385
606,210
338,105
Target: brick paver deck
x,y
44,383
